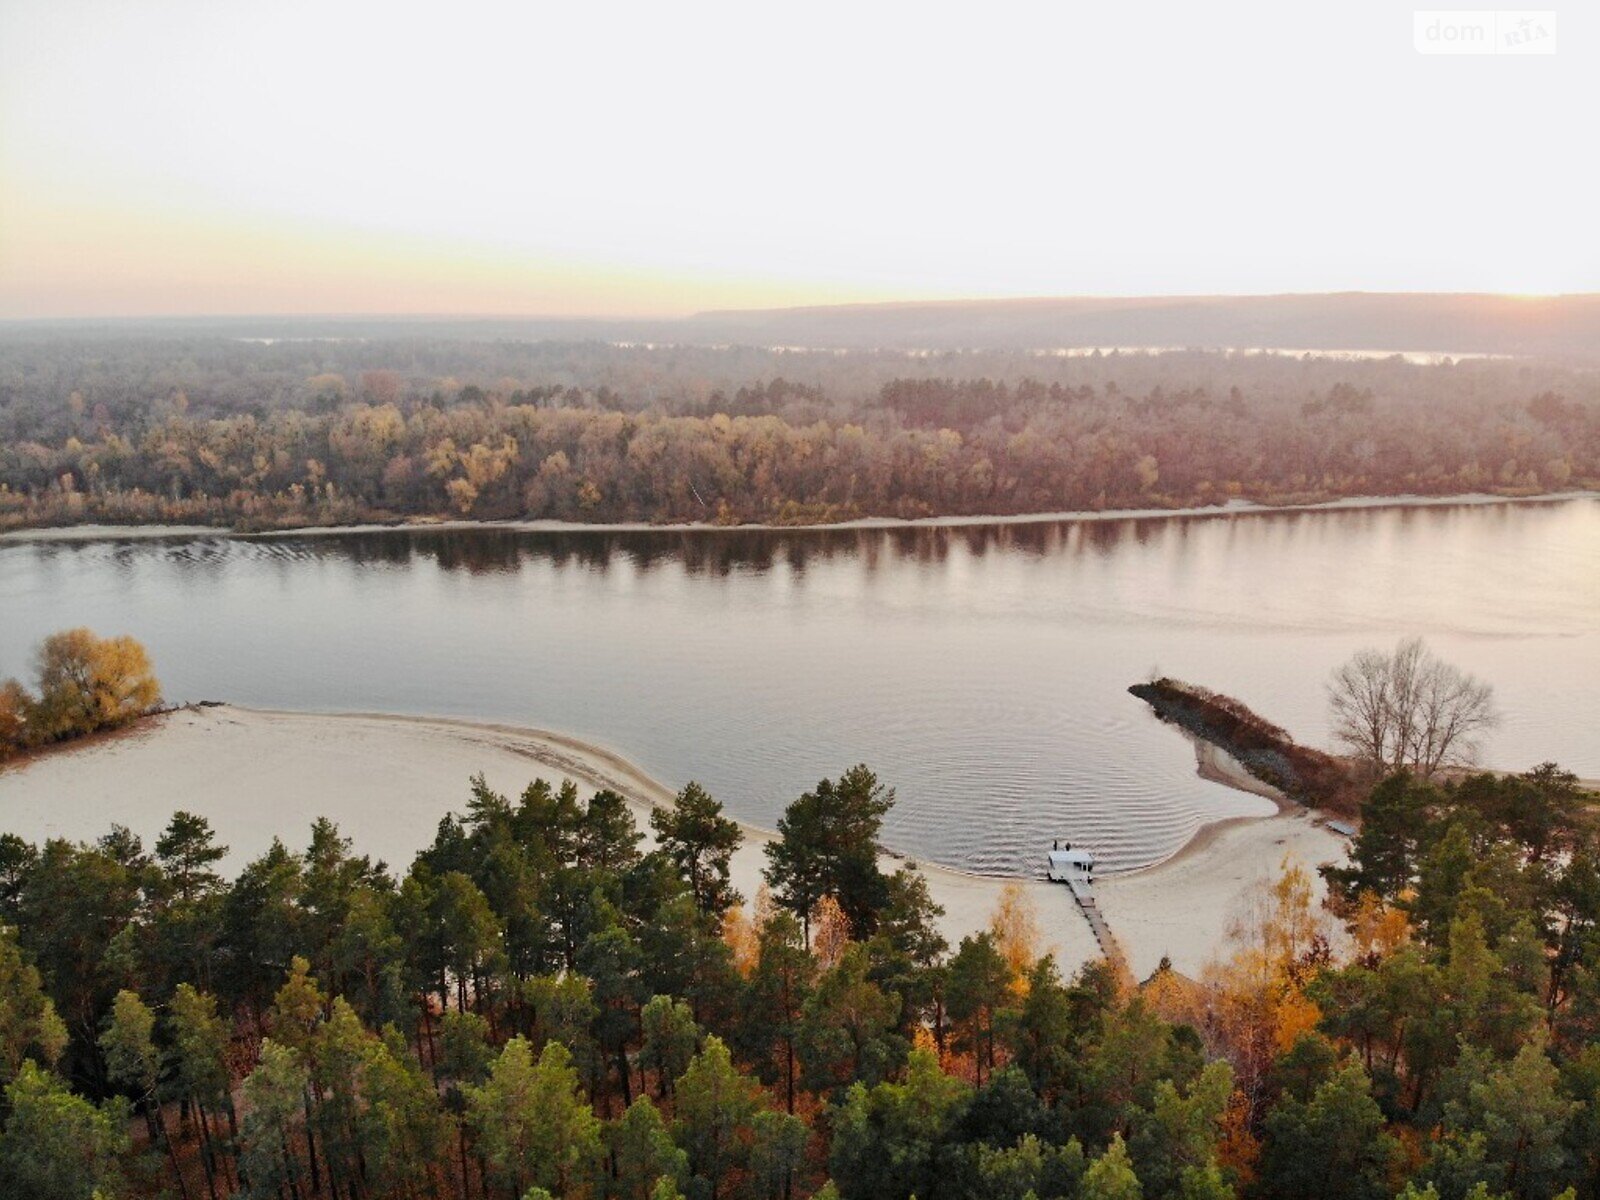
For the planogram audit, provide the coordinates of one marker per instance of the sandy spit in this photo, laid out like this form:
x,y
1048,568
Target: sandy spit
x,y
387,780
91,533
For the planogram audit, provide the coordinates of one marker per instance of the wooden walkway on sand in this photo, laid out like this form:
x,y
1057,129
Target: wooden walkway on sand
x,y
1083,894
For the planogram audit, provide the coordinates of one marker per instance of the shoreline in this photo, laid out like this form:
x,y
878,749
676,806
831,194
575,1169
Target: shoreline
x,y
1216,765
387,779
604,768
1213,762
1251,753
99,533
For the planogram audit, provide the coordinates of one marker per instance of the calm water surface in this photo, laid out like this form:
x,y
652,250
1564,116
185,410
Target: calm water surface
x,y
980,670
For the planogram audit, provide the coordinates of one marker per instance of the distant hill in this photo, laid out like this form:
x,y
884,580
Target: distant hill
x,y
1558,327
1561,326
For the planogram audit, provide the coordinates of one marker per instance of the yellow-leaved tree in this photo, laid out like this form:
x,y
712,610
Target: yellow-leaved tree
x,y
1015,925
87,683
739,934
1252,1006
830,933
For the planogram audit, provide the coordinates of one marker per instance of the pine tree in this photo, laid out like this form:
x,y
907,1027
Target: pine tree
x,y
134,1064
777,1153
715,1105
274,1115
1111,1176
58,1146
534,1125
700,841
670,1037
643,1152
198,1067
29,1026
848,1027
828,847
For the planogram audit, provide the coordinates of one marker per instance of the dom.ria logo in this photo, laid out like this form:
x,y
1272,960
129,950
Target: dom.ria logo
x,y
1474,31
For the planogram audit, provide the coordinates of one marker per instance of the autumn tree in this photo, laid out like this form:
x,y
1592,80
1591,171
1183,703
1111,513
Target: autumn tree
x,y
86,683
16,706
1015,928
1253,1004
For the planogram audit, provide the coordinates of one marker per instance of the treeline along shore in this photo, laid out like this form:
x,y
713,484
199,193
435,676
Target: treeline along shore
x,y
218,431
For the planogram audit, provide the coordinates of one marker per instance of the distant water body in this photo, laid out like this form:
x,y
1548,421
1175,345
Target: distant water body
x,y
981,670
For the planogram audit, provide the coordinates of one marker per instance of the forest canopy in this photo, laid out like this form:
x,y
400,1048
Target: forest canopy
x,y
218,430
545,1004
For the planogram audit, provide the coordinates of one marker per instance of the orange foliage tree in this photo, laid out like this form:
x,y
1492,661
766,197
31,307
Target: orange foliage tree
x,y
1252,1006
1015,925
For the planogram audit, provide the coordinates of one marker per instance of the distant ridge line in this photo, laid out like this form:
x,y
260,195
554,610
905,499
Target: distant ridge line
x,y
1559,327
1566,326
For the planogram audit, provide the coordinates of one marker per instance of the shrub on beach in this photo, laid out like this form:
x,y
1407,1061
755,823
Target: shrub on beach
x,y
85,683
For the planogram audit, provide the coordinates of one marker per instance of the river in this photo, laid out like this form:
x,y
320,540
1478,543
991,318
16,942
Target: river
x,y
981,670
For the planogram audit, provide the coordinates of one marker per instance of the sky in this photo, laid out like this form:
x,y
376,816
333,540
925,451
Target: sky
x,y
188,157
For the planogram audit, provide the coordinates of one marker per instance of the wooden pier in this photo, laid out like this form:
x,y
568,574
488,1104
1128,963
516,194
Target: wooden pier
x,y
1083,894
1075,868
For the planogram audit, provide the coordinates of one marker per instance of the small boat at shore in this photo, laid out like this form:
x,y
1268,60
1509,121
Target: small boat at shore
x,y
1075,868
1067,865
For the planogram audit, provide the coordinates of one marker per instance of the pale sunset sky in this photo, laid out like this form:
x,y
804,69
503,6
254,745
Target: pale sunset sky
x,y
191,157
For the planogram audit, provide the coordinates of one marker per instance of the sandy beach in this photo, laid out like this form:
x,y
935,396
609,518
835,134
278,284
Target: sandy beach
x,y
92,532
387,780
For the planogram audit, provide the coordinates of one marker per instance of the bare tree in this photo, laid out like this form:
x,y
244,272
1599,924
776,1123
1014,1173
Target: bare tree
x,y
1452,712
1358,693
1410,710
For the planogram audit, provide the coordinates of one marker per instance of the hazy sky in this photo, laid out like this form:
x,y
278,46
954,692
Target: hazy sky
x,y
207,156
